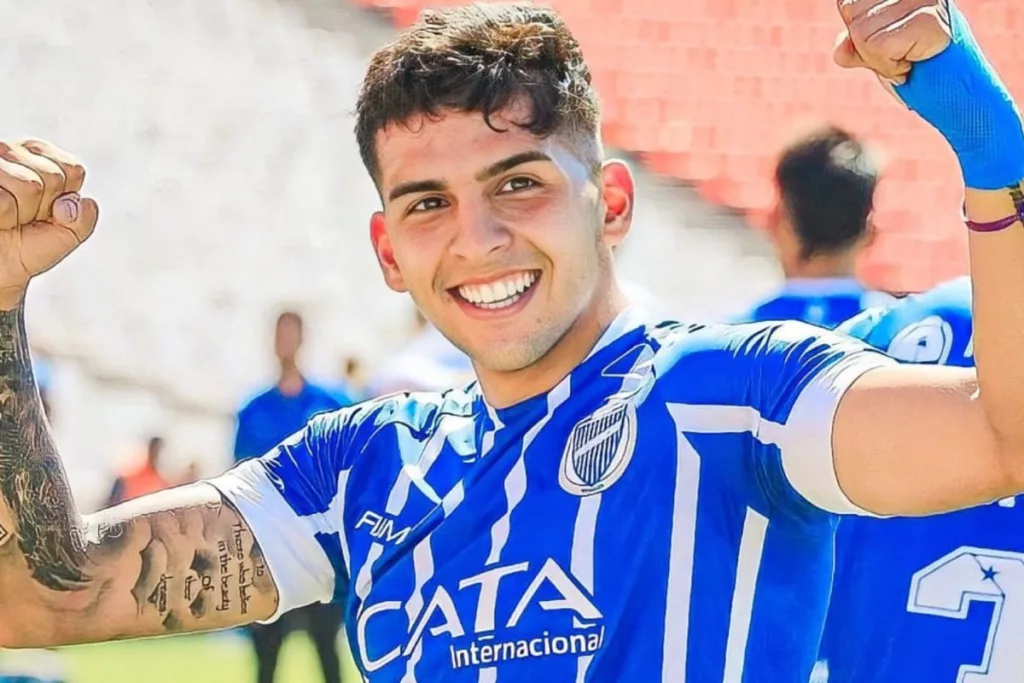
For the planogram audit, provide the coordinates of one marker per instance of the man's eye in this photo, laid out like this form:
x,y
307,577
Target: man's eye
x,y
428,204
517,184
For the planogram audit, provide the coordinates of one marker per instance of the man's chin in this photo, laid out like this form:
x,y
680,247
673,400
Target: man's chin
x,y
508,355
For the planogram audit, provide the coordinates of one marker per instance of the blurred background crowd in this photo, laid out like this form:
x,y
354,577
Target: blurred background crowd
x,y
231,292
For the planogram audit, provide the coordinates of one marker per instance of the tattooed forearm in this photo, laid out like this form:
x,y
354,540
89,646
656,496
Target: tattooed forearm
x,y
178,560
32,480
194,564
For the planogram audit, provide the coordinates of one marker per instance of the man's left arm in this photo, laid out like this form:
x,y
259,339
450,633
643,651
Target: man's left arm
x,y
918,440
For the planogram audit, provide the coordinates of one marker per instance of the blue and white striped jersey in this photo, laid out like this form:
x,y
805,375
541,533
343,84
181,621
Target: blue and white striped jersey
x,y
665,513
931,599
819,301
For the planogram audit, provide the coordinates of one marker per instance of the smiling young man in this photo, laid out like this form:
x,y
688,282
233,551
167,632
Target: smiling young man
x,y
617,498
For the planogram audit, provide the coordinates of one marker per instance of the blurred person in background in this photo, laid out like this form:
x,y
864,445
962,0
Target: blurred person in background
x,y
820,226
262,423
351,387
926,598
429,362
138,479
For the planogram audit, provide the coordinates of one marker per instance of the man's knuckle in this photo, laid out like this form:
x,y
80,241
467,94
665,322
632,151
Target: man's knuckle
x,y
74,171
848,9
51,176
8,204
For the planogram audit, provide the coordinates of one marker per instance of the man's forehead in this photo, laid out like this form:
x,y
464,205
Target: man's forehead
x,y
456,143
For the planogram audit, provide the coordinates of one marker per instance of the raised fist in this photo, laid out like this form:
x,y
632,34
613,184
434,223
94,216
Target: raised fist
x,y
42,216
888,36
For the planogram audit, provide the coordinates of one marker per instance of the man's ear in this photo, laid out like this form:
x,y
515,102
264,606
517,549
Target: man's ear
x,y
870,231
385,254
618,191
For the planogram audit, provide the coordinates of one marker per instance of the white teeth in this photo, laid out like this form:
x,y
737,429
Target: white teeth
x,y
498,294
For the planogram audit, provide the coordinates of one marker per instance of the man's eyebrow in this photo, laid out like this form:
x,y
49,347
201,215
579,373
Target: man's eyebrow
x,y
511,162
414,186
497,168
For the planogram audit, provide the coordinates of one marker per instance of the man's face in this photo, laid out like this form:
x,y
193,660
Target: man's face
x,y
502,238
287,339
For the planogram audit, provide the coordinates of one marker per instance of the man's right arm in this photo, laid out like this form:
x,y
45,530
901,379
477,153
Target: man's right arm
x,y
179,560
175,561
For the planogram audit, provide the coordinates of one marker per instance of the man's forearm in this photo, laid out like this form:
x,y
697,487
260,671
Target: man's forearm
x,y
43,521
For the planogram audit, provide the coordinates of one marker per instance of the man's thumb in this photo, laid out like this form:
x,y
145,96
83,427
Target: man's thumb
x,y
76,213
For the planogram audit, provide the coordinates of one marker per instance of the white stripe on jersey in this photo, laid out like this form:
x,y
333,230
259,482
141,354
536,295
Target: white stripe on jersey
x,y
582,562
453,499
755,527
515,482
515,490
728,419
423,569
332,521
681,553
417,471
399,496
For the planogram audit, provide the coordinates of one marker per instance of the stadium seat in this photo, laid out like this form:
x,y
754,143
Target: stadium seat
x,y
706,90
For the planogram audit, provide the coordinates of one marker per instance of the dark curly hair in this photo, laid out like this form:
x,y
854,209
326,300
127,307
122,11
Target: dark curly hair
x,y
480,58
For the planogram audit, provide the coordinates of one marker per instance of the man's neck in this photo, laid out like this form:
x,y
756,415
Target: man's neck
x,y
504,389
821,267
290,382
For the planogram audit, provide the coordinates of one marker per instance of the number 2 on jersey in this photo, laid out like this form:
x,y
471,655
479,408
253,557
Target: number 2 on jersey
x,y
948,586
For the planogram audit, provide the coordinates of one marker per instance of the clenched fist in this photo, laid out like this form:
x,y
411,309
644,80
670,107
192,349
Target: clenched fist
x,y
888,36
42,216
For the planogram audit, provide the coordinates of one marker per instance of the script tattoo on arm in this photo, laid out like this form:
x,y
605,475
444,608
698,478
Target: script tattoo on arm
x,y
179,560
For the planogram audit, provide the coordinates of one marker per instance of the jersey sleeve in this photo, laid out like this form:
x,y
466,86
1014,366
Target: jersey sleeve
x,y
797,377
292,498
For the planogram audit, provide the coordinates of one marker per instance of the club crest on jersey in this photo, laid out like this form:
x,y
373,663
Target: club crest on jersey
x,y
599,449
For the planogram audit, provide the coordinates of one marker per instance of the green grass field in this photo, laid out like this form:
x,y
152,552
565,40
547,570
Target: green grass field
x,y
221,658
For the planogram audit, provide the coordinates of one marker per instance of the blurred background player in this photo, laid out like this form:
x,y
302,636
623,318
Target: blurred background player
x,y
140,478
819,226
263,422
933,598
429,362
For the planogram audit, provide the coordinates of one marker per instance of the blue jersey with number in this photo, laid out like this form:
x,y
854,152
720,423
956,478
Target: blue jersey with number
x,y
932,599
665,513
819,301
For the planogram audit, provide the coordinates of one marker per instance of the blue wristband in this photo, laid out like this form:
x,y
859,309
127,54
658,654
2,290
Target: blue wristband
x,y
959,93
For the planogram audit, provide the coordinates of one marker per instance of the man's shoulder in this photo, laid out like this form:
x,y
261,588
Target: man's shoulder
x,y
384,424
741,341
733,363
325,395
257,399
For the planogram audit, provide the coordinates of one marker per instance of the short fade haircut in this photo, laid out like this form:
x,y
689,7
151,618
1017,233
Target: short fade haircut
x,y
480,58
826,181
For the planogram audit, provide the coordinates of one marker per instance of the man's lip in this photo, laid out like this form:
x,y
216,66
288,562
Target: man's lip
x,y
494,277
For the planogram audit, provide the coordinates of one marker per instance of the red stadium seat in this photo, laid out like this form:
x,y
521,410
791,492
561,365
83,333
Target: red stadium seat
x,y
705,90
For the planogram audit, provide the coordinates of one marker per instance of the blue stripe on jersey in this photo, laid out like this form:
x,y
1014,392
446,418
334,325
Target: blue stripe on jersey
x,y
929,599
635,523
